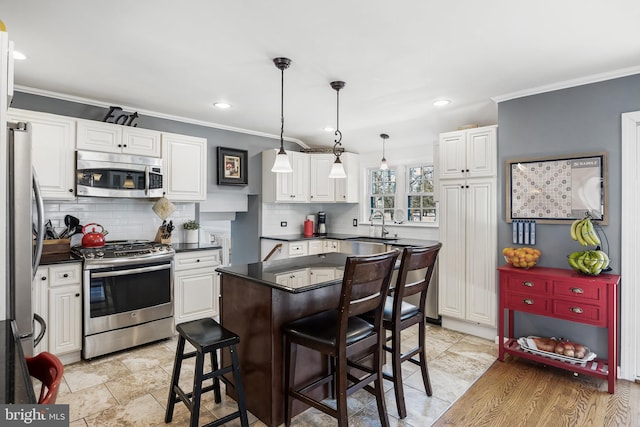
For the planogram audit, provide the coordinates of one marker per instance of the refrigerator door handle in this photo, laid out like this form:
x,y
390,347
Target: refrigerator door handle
x,y
40,225
43,328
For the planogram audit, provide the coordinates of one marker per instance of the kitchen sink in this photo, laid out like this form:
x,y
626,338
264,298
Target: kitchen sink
x,y
372,239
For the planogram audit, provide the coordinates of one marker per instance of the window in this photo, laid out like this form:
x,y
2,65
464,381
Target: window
x,y
382,192
420,201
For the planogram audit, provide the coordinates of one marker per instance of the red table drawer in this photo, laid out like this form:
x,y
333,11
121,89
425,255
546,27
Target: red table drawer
x,y
528,284
535,304
580,312
578,292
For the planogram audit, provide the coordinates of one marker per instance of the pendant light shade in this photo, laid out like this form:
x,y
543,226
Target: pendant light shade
x,y
337,170
281,164
383,162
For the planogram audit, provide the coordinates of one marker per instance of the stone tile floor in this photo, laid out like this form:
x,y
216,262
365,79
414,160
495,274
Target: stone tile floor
x,y
130,388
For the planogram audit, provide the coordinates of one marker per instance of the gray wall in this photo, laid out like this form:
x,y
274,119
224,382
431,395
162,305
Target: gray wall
x,y
576,120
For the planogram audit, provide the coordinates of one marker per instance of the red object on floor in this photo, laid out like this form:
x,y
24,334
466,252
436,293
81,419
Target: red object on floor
x,y
49,369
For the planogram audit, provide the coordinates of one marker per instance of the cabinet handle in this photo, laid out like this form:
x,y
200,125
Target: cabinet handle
x,y
576,310
198,260
528,301
124,145
71,190
462,170
65,275
462,186
311,197
77,295
119,145
43,278
528,284
467,170
577,291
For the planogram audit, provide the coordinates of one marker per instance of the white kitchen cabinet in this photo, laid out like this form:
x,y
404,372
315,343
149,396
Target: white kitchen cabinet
x,y
346,189
468,153
196,285
57,291
316,247
290,187
53,154
298,249
325,189
321,274
330,246
467,260
114,138
185,167
294,278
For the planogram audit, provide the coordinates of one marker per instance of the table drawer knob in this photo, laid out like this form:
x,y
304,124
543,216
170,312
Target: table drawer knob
x,y
528,301
577,290
576,310
527,284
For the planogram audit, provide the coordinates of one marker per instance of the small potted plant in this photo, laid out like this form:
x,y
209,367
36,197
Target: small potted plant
x,y
191,231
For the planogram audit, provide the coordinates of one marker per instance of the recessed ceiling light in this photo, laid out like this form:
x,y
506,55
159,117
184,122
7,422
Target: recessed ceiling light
x,y
19,55
441,102
222,105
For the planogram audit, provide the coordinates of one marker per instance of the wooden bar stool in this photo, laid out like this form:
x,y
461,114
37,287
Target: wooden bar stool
x,y
207,336
345,339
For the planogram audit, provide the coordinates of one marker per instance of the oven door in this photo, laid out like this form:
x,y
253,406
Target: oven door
x,y
118,297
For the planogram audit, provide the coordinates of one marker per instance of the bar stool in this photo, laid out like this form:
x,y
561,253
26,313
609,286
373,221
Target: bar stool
x,y
345,339
207,336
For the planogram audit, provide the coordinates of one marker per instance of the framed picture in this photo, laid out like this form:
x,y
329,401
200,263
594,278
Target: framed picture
x,y
557,189
232,166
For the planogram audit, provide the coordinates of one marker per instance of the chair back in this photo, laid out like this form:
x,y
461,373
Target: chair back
x,y
408,281
365,284
49,369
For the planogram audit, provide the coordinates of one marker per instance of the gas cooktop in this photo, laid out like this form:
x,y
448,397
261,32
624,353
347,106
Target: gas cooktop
x,y
132,249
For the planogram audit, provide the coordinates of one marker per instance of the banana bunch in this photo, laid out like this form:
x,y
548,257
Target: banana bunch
x,y
582,230
589,262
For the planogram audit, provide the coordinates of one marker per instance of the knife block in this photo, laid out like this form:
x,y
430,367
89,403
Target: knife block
x,y
162,237
56,246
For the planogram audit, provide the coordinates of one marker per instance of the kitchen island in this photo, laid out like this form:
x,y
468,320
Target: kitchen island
x,y
256,301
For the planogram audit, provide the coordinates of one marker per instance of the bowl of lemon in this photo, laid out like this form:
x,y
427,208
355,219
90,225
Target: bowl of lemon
x,y
521,257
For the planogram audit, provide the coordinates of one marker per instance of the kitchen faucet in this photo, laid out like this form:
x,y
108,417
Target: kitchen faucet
x,y
379,214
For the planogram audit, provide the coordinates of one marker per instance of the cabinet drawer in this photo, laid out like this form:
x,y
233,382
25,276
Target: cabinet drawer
x,y
527,284
579,292
67,274
197,259
531,303
579,312
297,248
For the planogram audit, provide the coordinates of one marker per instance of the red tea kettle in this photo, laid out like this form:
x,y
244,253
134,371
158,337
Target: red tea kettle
x,y
93,239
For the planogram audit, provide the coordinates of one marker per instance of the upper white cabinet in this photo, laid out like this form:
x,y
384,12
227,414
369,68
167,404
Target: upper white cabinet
x,y
53,154
185,167
113,138
285,187
347,188
468,153
321,187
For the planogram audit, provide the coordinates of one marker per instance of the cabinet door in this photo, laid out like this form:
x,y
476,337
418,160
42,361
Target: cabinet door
x,y
481,152
143,142
65,319
331,246
53,154
452,256
299,184
481,248
346,189
451,155
99,136
319,275
40,305
196,294
316,247
321,187
185,167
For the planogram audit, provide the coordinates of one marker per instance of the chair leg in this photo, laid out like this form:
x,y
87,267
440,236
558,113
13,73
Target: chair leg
x,y
423,357
379,386
242,406
290,353
341,391
396,362
216,381
197,390
175,379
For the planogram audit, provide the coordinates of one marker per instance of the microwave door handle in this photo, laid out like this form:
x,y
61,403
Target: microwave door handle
x,y
146,180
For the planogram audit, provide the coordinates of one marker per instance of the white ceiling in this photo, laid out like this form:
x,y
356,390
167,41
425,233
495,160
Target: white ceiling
x,y
177,58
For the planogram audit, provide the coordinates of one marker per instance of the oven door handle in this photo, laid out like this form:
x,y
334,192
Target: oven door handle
x,y
130,271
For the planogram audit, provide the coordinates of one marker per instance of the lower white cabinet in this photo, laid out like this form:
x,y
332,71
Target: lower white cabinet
x,y
330,246
57,291
196,285
293,279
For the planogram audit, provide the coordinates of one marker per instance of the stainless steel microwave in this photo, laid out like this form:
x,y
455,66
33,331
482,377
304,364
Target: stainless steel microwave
x,y
118,175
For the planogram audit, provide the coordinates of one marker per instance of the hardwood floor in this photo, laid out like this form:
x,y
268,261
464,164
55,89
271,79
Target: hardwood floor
x,y
518,392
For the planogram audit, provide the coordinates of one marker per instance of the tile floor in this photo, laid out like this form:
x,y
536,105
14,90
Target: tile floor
x,y
130,388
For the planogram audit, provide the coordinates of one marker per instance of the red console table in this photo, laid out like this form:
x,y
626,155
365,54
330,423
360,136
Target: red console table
x,y
566,295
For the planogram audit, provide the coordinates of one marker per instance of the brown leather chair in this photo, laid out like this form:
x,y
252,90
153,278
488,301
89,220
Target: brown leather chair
x,y
416,269
345,338
49,369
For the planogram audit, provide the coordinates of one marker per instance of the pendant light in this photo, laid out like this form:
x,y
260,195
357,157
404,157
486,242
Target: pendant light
x,y
281,164
383,162
337,170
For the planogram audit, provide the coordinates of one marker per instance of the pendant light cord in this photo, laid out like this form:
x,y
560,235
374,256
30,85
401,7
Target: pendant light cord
x,y
337,132
281,108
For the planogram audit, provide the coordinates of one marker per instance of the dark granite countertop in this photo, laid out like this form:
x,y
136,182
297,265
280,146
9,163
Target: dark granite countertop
x,y
189,247
402,242
15,381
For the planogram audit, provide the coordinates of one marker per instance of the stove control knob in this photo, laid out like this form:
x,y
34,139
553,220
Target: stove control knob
x,y
89,255
161,248
100,254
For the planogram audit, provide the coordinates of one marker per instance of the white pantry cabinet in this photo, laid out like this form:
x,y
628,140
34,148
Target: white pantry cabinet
x,y
53,154
57,291
115,138
468,153
185,167
196,285
290,187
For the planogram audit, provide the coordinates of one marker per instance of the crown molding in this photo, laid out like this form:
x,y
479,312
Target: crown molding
x,y
96,103
594,78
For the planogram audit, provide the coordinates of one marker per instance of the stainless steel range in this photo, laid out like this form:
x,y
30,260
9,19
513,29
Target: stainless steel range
x,y
127,295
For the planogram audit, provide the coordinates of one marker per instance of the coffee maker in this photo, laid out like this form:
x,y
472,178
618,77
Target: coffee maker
x,y
322,220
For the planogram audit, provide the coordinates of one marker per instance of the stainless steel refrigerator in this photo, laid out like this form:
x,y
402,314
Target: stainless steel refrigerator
x,y
25,234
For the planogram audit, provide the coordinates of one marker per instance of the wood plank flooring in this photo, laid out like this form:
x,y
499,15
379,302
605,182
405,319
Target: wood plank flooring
x,y
518,392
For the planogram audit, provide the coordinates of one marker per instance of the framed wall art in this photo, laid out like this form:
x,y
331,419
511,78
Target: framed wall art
x,y
557,189
232,166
